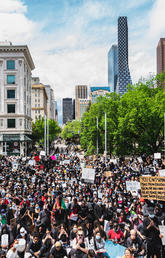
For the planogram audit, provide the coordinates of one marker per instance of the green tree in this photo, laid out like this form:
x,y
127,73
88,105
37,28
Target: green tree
x,y
140,128
38,130
71,131
108,104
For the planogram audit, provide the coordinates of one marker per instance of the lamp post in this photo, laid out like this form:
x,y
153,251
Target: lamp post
x,y
105,136
97,145
45,134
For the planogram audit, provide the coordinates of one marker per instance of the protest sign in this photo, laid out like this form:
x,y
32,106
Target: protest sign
x,y
153,187
88,166
114,161
31,162
42,153
148,171
132,186
53,157
108,174
14,165
162,172
157,155
114,250
66,161
88,174
162,232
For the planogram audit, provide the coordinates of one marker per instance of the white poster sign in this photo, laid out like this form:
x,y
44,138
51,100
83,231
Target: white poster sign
x,y
162,232
88,174
14,165
157,155
31,162
66,161
132,186
42,153
162,172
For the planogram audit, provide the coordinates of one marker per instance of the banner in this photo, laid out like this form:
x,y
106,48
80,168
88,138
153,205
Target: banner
x,y
53,157
88,174
114,250
153,187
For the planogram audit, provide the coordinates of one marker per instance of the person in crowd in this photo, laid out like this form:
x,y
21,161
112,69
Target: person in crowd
x,y
58,251
135,244
51,211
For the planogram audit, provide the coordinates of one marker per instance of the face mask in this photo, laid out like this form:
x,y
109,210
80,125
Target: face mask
x,y
98,237
22,234
99,203
151,216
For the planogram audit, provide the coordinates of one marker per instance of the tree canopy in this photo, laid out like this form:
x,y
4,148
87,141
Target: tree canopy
x,y
135,121
38,130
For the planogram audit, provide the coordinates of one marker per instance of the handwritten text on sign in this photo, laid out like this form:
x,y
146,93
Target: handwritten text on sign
x,y
153,187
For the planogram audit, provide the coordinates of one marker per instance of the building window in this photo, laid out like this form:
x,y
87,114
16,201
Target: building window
x,y
1,122
11,108
10,65
10,79
10,123
20,122
11,94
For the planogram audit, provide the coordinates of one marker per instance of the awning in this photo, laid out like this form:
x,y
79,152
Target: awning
x,y
15,138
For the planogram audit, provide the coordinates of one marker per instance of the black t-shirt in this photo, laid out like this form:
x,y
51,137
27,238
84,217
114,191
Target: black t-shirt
x,y
136,243
58,253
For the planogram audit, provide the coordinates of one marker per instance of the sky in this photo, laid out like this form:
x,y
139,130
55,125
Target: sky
x,y
69,39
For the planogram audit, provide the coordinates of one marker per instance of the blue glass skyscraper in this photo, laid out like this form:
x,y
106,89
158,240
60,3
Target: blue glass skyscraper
x,y
113,67
124,77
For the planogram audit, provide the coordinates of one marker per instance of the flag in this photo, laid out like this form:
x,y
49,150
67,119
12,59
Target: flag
x,y
59,204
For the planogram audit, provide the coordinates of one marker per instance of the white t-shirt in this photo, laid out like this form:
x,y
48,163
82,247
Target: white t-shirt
x,y
11,254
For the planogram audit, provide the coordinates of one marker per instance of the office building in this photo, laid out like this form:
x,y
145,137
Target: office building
x,y
124,77
96,91
81,92
113,67
16,65
67,110
83,106
73,106
50,103
161,56
39,100
56,110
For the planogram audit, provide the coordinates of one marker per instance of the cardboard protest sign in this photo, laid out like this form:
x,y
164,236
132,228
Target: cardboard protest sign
x,y
153,187
88,174
88,166
108,174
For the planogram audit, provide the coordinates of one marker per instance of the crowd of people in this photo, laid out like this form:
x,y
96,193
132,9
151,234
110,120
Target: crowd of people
x,y
48,210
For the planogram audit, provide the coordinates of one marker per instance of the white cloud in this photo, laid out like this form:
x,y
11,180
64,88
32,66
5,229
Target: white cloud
x,y
10,6
157,20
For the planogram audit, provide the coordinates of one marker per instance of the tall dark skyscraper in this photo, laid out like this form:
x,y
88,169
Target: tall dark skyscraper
x,y
113,67
124,77
67,110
